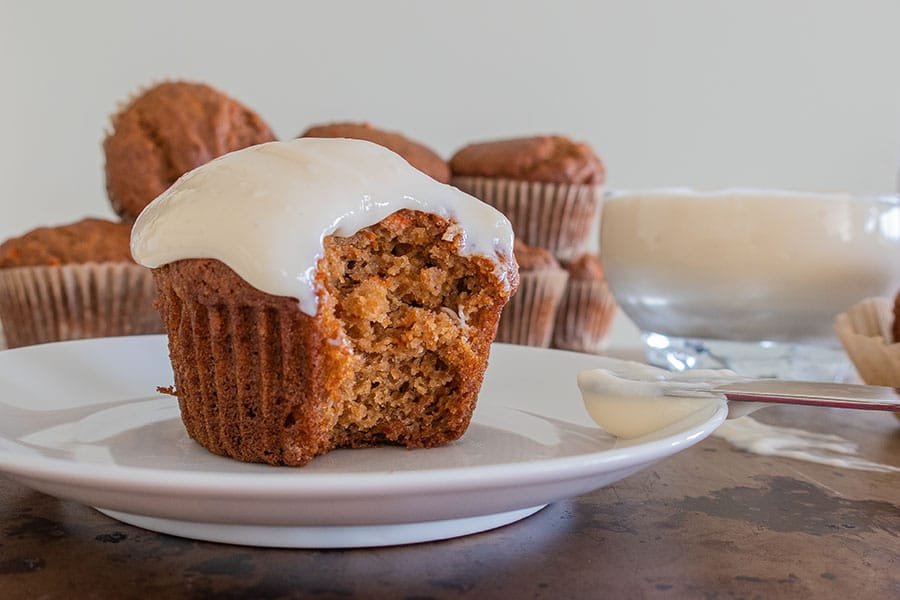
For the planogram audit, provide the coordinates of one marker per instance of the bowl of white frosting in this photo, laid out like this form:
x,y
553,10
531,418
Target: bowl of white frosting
x,y
753,269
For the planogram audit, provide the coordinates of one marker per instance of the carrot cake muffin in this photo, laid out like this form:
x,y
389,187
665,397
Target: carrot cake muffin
x,y
419,156
74,281
544,159
322,293
165,132
549,186
529,317
587,308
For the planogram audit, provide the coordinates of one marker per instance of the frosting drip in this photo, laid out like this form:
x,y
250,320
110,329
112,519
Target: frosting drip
x,y
265,210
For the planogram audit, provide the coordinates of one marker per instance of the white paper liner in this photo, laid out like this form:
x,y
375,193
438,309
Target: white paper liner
x,y
584,317
66,302
528,318
563,218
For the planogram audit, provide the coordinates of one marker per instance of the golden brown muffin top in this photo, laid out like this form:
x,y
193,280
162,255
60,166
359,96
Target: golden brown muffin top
x,y
165,132
88,240
546,159
533,258
419,156
586,267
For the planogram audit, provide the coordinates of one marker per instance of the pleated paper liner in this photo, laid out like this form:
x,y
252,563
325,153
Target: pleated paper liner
x,y
584,316
865,332
563,218
232,367
66,302
529,316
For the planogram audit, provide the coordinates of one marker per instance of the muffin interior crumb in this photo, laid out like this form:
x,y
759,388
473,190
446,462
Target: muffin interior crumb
x,y
405,303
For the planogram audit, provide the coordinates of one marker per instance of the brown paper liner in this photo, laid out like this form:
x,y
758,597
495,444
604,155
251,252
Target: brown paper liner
x,y
865,332
528,317
563,218
584,316
232,364
67,302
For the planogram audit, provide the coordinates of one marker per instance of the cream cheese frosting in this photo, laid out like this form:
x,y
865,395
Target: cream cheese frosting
x,y
631,399
264,211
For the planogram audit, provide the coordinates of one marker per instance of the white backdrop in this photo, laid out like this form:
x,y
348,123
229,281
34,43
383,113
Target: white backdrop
x,y
800,94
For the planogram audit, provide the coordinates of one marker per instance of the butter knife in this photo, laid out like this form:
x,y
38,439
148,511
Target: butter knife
x,y
809,393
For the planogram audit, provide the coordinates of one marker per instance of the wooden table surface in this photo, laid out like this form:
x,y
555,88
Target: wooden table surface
x,y
710,522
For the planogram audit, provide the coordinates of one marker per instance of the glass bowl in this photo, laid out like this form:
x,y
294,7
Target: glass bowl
x,y
748,279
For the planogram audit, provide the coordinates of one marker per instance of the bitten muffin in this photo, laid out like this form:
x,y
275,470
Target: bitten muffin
x,y
587,308
333,322
165,132
419,156
529,317
550,187
74,281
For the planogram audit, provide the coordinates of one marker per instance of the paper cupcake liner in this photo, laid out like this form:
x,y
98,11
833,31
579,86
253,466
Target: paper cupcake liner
x,y
258,383
563,218
528,318
232,366
67,302
584,316
865,332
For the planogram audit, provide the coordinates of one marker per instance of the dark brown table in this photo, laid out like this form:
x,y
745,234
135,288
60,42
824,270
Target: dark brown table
x,y
710,522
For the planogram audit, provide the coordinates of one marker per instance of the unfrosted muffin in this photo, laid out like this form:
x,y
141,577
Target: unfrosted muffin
x,y
529,317
866,331
88,240
166,131
550,187
587,308
74,281
419,156
895,327
543,159
334,321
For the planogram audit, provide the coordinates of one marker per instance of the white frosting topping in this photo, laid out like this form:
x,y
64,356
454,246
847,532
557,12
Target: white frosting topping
x,y
633,399
265,210
752,436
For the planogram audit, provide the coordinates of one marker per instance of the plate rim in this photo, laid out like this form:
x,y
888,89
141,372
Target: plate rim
x,y
295,483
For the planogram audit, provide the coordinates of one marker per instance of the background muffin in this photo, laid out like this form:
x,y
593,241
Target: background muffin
x,y
869,333
587,308
866,331
165,132
895,327
529,316
419,156
546,159
549,187
88,240
74,281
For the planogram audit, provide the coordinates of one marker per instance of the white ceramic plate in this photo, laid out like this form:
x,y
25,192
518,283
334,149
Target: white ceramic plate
x,y
83,421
